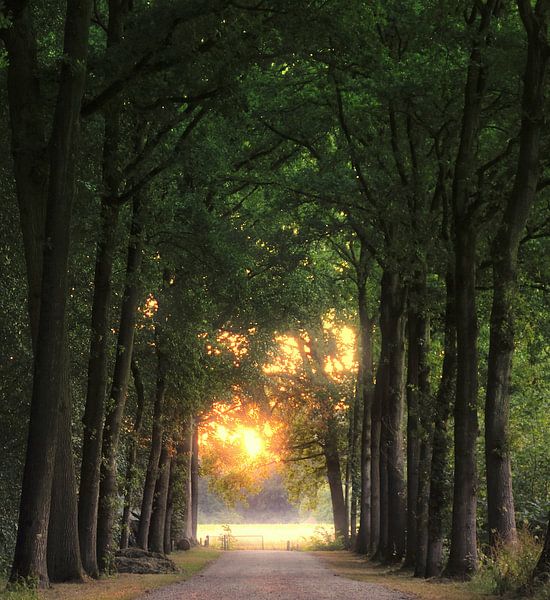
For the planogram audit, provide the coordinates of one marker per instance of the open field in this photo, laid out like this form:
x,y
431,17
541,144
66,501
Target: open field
x,y
275,536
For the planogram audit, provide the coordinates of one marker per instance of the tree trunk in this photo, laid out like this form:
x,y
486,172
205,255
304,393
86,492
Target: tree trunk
x,y
101,305
30,560
413,431
132,456
168,537
500,500
364,535
375,445
155,452
31,172
463,552
195,484
394,327
421,552
117,400
158,518
64,562
542,568
334,475
418,427
439,484
187,449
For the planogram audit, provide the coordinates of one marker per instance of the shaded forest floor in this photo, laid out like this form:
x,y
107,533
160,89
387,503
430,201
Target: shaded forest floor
x,y
123,586
351,566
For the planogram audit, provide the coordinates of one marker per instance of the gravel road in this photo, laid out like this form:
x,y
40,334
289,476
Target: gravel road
x,y
265,575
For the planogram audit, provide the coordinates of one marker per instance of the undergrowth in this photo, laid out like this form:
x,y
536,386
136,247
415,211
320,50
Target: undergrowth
x,y
508,571
323,539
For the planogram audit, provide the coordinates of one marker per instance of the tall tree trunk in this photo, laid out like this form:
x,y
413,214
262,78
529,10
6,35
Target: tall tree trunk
x,y
353,459
422,502
413,430
463,552
542,568
117,400
394,327
97,365
334,475
158,517
500,500
439,484
425,434
30,560
132,456
155,451
364,535
64,562
195,483
418,426
97,385
30,159
168,537
187,449
375,445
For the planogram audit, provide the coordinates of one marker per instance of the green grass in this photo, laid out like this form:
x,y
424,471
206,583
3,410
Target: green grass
x,y
119,587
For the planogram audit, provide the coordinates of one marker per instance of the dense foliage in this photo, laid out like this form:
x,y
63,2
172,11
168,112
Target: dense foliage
x,y
186,178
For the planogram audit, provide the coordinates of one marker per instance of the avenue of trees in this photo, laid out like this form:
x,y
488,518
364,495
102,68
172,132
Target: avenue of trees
x,y
179,174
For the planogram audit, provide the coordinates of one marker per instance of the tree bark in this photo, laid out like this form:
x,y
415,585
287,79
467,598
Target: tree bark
x,y
132,456
500,500
394,327
439,484
413,432
542,568
187,449
375,445
97,365
168,537
152,474
117,400
195,484
158,517
63,553
30,560
463,552
364,535
334,475
418,427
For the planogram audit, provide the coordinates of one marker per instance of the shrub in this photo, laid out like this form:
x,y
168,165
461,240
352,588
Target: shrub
x,y
509,568
322,539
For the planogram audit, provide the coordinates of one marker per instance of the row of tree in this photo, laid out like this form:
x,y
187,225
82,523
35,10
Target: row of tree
x,y
245,167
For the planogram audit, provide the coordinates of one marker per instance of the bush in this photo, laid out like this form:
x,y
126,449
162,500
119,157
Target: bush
x,y
17,592
509,569
323,539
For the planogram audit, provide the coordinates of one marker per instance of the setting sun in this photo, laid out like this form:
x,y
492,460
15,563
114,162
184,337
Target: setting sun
x,y
252,442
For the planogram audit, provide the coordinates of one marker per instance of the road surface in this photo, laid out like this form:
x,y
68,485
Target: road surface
x,y
266,575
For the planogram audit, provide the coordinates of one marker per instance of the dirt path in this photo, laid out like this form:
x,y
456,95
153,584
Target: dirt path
x,y
265,575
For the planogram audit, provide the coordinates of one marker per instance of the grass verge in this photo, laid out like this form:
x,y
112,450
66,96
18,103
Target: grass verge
x,y
123,586
349,565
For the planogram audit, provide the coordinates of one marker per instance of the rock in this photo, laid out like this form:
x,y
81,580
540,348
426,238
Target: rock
x,y
136,560
183,544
